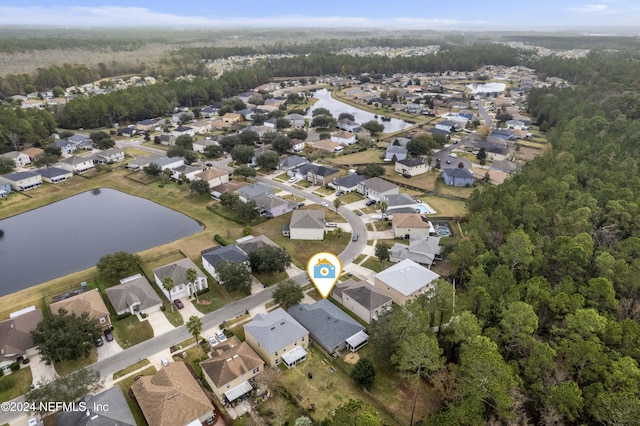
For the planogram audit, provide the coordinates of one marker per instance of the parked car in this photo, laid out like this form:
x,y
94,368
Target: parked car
x,y
164,362
359,213
331,225
406,175
324,204
221,336
370,202
178,303
99,341
452,155
354,237
213,341
300,204
339,193
292,180
108,335
448,161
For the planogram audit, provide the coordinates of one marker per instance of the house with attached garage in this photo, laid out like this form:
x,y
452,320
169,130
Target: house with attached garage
x,y
66,147
149,125
273,206
296,120
213,176
54,174
400,203
291,162
458,176
232,364
423,249
16,342
307,225
329,326
183,131
200,145
5,189
343,137
278,338
376,189
447,126
139,163
22,181
186,171
178,272
108,156
134,295
33,152
118,413
406,225
170,163
362,298
395,152
19,158
88,301
348,183
213,256
255,191
404,281
77,164
411,167
321,175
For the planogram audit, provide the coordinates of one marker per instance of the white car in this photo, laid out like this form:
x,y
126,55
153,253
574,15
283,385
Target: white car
x,y
292,180
220,336
164,362
324,204
213,341
452,155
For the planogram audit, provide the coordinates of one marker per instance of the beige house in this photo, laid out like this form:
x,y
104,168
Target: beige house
x,y
404,281
411,167
214,176
326,145
15,335
89,301
362,298
77,163
406,225
232,118
201,126
22,181
307,225
230,367
278,338
172,397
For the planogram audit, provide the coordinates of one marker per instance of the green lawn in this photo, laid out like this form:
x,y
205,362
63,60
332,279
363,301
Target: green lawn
x,y
351,197
302,184
364,157
282,177
272,278
125,385
446,206
15,384
65,367
325,191
373,264
131,368
359,259
130,331
211,300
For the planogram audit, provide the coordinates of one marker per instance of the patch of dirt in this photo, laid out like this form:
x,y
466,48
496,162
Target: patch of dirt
x,y
351,358
203,302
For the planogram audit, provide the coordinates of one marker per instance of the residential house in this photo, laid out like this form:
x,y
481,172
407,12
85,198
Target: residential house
x,y
348,125
321,175
423,249
77,164
257,153
231,118
33,152
172,397
270,123
297,145
209,111
274,206
22,181
404,281
400,203
129,131
82,141
277,337
395,152
5,189
504,134
21,159
249,244
326,145
178,272
307,225
106,408
66,147
348,183
291,162
54,174
362,298
255,191
187,172
361,133
439,132
231,366
406,225
201,126
447,126
167,139
139,163
149,125
88,301
109,156
214,176
376,189
458,176
411,167
213,256
183,131
329,326
200,145
134,295
16,342
245,96
170,163
296,120
343,137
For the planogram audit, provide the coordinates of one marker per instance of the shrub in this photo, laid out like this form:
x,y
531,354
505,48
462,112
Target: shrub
x,y
218,239
123,316
14,366
163,308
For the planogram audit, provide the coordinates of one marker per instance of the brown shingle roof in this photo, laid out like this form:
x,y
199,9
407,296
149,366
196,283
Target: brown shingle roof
x,y
409,220
229,360
212,173
15,336
89,301
171,396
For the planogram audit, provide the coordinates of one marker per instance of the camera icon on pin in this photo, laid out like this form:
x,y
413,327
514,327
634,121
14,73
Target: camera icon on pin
x,y
324,269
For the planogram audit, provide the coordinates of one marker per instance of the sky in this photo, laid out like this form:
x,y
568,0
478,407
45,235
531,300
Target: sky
x,y
391,14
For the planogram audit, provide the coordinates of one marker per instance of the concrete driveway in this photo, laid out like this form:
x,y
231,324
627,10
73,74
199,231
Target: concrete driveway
x,y
40,370
159,322
108,349
189,310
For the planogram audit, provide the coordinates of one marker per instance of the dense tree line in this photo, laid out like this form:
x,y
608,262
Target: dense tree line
x,y
19,127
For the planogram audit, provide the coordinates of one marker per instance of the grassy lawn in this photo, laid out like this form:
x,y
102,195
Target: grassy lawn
x,y
125,385
272,278
359,259
283,177
373,264
131,368
446,206
194,355
538,143
351,197
15,384
364,157
328,388
65,367
302,184
456,191
211,300
325,191
130,331
301,250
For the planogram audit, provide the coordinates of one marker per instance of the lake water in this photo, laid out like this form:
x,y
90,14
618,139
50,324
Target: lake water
x,y
72,234
336,107
487,87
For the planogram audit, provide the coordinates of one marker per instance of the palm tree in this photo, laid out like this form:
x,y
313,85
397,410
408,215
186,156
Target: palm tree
x,y
194,325
337,203
168,284
192,276
383,209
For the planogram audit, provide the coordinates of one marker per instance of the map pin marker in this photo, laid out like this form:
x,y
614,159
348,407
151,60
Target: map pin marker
x,y
324,269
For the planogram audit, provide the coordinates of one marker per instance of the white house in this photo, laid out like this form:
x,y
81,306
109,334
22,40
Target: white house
x,y
214,176
178,272
20,158
411,167
77,164
183,130
343,138
108,156
404,281
376,188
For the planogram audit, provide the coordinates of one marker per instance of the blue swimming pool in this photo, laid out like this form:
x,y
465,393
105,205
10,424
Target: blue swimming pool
x,y
443,231
424,208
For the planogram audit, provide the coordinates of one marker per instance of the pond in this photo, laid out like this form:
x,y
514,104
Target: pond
x,y
72,234
336,107
487,88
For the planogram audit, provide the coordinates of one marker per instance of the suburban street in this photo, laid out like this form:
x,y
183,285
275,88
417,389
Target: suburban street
x,y
485,114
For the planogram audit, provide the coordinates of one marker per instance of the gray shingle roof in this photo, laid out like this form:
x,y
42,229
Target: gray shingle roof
x,y
349,181
229,253
118,413
16,176
410,162
275,330
403,199
293,161
458,172
365,294
255,190
177,271
52,172
131,292
307,219
328,325
378,185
